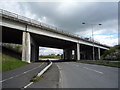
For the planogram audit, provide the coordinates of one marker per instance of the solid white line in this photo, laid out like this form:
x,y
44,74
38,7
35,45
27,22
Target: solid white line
x,y
93,70
59,67
60,78
21,74
28,85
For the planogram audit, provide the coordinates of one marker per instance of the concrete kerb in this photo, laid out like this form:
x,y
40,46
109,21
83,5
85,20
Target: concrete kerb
x,y
40,74
45,69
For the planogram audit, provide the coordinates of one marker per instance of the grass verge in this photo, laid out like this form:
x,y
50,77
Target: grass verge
x,y
101,62
9,62
35,78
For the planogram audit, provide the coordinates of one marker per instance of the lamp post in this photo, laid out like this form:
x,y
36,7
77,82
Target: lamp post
x,y
92,37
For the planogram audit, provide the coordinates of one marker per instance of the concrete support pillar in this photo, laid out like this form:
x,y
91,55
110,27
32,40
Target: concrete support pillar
x,y
99,53
67,54
34,50
34,53
78,51
75,55
63,54
26,47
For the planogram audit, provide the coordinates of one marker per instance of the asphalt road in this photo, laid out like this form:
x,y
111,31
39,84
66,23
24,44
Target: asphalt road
x,y
79,75
19,77
64,75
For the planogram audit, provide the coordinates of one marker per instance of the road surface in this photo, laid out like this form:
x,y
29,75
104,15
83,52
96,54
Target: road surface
x,y
79,75
19,77
70,75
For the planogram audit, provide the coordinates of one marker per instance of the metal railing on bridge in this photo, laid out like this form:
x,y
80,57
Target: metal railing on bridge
x,y
41,24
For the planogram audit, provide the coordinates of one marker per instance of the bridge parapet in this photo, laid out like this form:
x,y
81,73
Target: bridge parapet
x,y
42,25
33,22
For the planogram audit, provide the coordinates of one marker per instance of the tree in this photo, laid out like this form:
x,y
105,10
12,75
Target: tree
x,y
112,54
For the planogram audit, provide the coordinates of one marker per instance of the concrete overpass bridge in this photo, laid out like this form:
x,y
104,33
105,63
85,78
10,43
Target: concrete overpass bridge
x,y
32,34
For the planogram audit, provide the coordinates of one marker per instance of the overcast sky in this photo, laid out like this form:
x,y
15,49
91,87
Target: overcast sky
x,y
69,15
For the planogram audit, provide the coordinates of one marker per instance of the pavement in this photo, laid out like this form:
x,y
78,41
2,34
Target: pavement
x,y
79,75
50,79
18,78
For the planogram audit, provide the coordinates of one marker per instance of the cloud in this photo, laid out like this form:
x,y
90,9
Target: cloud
x,y
107,39
47,51
69,16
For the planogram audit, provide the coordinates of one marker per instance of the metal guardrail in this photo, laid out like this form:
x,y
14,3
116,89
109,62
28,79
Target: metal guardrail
x,y
38,23
19,17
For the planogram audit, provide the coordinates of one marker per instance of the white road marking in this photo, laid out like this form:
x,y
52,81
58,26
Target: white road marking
x,y
28,85
58,67
60,79
6,79
39,74
21,73
93,70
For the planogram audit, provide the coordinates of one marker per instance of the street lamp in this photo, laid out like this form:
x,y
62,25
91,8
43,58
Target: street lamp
x,y
92,37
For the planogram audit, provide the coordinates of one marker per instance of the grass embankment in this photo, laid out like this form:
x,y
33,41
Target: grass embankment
x,y
9,62
101,62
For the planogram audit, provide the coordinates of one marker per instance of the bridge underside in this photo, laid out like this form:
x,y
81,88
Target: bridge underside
x,y
31,42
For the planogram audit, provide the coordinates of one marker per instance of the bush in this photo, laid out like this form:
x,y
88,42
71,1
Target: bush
x,y
112,54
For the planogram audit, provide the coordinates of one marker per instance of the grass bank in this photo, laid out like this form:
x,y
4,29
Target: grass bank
x,y
9,62
101,62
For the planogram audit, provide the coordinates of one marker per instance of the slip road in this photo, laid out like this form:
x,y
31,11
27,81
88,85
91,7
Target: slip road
x,y
19,77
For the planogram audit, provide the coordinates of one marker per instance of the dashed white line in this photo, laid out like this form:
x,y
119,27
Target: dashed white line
x,y
20,74
93,70
6,79
28,85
